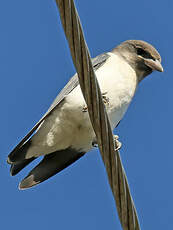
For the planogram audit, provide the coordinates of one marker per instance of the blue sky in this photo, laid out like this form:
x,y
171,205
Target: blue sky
x,y
35,64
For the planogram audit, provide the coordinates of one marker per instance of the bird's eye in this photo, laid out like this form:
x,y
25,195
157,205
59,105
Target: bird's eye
x,y
144,53
141,52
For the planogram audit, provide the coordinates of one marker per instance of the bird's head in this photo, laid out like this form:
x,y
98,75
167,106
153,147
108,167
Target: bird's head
x,y
142,56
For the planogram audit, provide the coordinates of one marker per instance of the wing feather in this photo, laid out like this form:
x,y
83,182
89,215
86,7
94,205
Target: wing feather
x,y
73,82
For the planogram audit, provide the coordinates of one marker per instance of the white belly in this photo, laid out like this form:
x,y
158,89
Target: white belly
x,y
69,126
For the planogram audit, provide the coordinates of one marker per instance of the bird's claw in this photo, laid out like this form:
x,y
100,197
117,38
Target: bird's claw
x,y
105,101
118,144
94,143
85,109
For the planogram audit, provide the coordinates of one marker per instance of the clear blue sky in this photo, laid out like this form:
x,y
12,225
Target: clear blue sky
x,y
35,64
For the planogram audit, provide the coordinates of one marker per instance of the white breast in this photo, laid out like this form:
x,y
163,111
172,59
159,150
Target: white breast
x,y
120,83
118,80
68,126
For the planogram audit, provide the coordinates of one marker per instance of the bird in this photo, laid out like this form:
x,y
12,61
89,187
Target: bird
x,y
64,134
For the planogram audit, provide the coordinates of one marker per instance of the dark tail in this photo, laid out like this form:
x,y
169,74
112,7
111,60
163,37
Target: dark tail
x,y
18,155
17,167
49,166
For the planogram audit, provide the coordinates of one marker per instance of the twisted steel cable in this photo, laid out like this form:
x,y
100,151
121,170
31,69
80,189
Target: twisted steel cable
x,y
98,115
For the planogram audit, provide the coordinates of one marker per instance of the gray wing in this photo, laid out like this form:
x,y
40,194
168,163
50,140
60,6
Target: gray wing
x,y
73,82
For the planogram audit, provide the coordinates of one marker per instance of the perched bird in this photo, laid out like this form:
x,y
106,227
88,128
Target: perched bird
x,y
64,133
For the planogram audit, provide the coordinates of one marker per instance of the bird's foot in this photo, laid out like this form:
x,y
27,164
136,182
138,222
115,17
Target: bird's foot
x,y
105,101
118,144
94,143
85,109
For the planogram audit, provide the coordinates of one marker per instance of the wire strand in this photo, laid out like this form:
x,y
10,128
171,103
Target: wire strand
x,y
98,115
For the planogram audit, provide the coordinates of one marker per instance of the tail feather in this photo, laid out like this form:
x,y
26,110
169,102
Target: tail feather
x,y
16,168
19,154
49,166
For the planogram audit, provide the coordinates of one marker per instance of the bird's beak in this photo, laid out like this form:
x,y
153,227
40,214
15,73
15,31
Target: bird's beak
x,y
154,64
